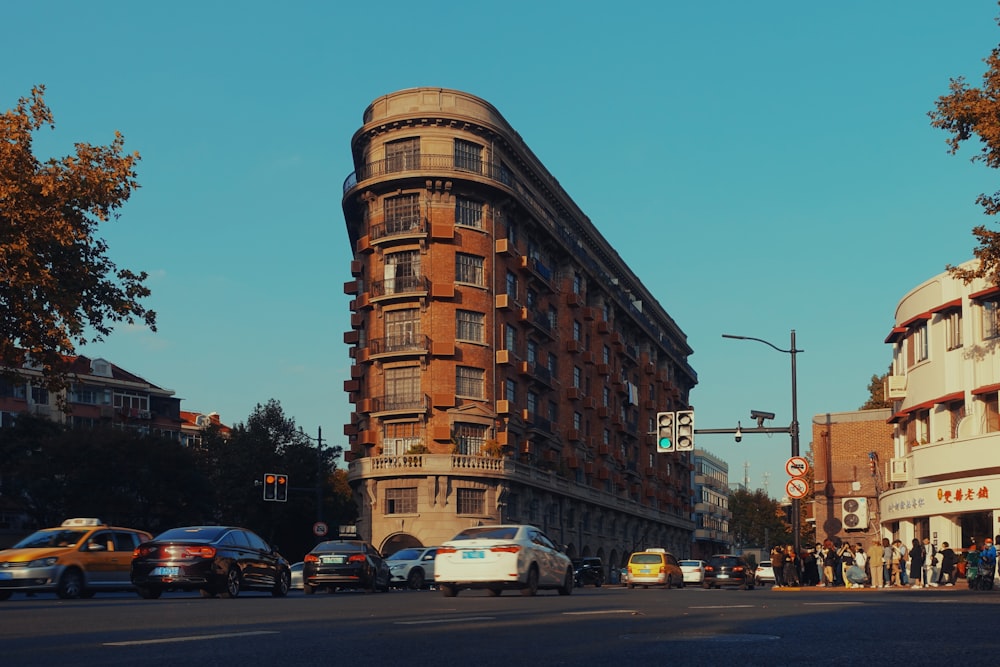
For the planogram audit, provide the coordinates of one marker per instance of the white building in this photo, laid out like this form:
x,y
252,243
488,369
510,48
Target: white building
x,y
944,477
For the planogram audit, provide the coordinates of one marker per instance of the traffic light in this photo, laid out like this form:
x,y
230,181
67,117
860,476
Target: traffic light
x,y
281,493
684,438
664,431
270,486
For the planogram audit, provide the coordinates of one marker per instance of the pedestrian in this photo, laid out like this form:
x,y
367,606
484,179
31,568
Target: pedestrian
x,y
887,557
778,565
971,559
947,576
987,564
861,561
916,558
792,572
930,563
846,557
875,568
898,566
829,562
904,563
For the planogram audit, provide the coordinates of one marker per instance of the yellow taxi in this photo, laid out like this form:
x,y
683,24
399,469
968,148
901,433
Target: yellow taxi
x,y
654,567
75,560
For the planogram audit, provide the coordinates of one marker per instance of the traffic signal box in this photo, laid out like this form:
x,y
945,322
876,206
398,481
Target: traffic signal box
x,y
684,431
665,431
275,487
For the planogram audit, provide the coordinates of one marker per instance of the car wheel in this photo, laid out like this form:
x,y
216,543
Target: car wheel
x,y
494,592
148,592
233,583
307,589
531,587
5,595
705,585
630,586
448,590
599,582
281,586
70,585
415,580
567,586
670,583
206,593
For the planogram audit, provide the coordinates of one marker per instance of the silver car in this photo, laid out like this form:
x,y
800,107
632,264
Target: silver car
x,y
412,567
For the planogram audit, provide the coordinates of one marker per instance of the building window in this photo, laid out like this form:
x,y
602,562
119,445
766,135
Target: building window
x,y
577,421
402,271
468,212
606,355
401,501
402,154
402,214
402,387
469,269
532,403
953,329
40,395
916,348
398,438
510,338
991,413
88,395
471,501
401,328
577,377
532,352
577,284
606,397
512,286
577,330
469,326
468,155
991,327
510,391
131,401
469,381
956,412
469,438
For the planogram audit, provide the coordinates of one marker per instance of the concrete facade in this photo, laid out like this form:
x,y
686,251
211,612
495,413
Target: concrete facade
x,y
712,515
508,366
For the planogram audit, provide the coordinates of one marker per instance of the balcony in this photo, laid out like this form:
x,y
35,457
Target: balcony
x,y
407,229
400,286
404,345
417,164
383,405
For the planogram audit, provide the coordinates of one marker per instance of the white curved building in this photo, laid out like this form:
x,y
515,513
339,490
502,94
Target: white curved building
x,y
944,479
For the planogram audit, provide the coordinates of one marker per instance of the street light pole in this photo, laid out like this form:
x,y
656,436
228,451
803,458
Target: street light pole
x,y
793,429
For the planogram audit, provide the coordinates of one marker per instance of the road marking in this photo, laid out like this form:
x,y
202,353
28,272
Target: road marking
x,y
600,611
830,604
725,606
464,619
192,638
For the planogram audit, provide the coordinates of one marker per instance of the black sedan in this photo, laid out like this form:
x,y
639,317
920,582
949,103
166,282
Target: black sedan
x,y
344,564
216,560
728,570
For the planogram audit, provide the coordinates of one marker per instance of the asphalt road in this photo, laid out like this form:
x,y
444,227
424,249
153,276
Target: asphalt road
x,y
606,626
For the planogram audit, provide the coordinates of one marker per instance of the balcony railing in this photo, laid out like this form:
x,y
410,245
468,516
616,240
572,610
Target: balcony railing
x,y
418,404
399,344
421,162
408,227
400,285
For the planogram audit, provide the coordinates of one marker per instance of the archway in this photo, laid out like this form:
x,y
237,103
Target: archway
x,y
394,543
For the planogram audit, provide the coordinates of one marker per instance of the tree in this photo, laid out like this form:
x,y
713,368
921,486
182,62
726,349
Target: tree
x,y
876,393
758,520
968,112
58,289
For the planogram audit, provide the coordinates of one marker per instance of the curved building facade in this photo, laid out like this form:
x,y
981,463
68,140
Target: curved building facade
x,y
508,365
943,481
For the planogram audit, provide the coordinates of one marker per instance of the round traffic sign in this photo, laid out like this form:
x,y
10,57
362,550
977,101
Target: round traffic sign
x,y
797,466
796,488
320,529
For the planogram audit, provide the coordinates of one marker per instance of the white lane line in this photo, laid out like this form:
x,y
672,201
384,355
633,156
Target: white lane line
x,y
463,619
830,604
725,606
192,638
600,611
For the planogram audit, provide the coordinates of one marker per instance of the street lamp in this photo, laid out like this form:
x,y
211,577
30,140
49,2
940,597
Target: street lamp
x,y
793,429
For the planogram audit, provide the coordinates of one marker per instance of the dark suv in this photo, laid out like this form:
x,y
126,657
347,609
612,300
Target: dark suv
x,y
588,571
728,570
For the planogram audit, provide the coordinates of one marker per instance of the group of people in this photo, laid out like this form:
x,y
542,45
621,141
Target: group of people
x,y
885,564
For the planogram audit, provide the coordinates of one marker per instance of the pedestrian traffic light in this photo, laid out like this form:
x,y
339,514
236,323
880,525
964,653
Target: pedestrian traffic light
x,y
664,431
270,486
684,437
281,492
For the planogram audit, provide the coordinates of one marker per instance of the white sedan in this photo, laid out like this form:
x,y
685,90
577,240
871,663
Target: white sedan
x,y
502,557
694,571
412,567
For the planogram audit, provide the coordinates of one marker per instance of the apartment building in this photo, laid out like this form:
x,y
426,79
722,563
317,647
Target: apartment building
x,y
712,515
507,363
944,475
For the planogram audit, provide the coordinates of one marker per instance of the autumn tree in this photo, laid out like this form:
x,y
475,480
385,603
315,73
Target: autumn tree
x,y
968,112
758,520
58,288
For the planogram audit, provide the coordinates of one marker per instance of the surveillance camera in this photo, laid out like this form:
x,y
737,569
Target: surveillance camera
x,y
760,414
739,432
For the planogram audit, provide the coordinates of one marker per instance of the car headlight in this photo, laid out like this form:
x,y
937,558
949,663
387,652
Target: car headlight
x,y
397,567
43,562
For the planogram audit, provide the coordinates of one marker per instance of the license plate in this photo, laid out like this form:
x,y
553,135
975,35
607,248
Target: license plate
x,y
723,576
643,571
473,554
335,560
165,571
6,575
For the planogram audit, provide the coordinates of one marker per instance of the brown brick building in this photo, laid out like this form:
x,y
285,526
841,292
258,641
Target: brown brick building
x,y
847,480
508,365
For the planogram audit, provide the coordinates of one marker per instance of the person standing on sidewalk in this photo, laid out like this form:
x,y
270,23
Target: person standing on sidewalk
x,y
904,562
916,556
778,565
948,562
876,573
887,562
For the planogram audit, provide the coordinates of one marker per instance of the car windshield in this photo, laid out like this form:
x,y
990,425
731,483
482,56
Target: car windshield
x,y
47,539
487,533
405,554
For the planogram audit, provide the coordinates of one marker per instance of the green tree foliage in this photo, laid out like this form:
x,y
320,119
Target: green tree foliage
x,y
968,112
876,393
758,520
58,289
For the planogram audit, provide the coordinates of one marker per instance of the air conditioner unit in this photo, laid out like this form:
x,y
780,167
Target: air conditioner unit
x,y
897,470
854,513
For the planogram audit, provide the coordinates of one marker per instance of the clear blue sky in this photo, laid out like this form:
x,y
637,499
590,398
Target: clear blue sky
x,y
762,167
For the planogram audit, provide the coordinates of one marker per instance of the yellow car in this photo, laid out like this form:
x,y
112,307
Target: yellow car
x,y
75,560
654,567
